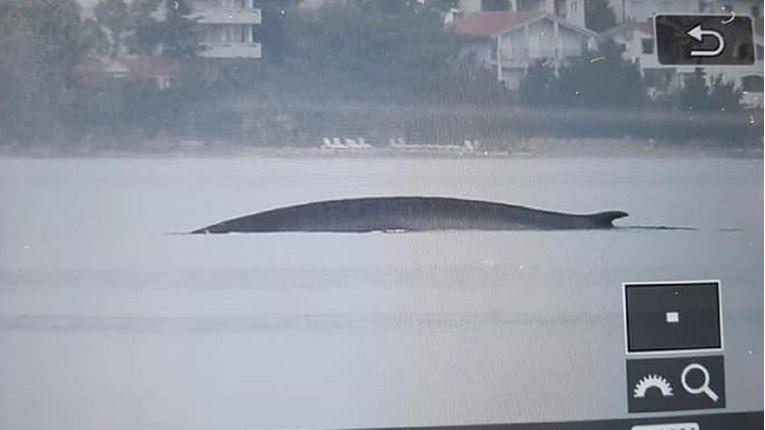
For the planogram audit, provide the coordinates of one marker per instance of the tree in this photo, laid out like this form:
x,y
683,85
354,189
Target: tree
x,y
598,15
113,15
727,98
694,94
176,32
148,27
396,48
146,36
716,96
601,78
469,82
537,86
271,32
94,38
40,47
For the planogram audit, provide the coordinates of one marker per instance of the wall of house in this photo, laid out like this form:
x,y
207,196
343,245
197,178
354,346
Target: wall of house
x,y
521,48
227,33
640,10
539,41
474,6
636,48
575,12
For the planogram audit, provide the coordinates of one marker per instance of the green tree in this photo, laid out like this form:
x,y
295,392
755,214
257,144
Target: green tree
x,y
146,36
271,33
600,79
94,38
40,47
694,94
113,15
715,95
469,82
598,15
392,48
176,32
726,97
538,85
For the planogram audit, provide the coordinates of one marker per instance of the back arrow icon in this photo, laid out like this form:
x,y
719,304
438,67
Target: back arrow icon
x,y
698,34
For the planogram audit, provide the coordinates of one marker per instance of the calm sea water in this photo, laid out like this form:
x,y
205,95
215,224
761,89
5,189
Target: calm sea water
x,y
108,321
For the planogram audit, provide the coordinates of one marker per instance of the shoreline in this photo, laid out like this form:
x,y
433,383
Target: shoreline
x,y
521,149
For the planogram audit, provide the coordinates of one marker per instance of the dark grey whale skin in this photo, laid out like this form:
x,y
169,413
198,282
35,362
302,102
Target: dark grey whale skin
x,y
361,215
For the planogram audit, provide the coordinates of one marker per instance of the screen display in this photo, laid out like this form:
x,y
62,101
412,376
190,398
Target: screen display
x,y
335,214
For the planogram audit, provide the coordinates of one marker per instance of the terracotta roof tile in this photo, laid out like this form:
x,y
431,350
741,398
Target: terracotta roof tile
x,y
487,24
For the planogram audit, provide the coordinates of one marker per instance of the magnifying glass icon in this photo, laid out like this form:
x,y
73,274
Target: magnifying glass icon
x,y
704,387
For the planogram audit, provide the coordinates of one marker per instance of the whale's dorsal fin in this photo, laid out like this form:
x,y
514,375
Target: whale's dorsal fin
x,y
606,219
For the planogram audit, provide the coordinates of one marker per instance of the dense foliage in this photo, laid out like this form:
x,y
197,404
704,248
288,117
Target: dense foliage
x,y
599,15
40,47
600,79
385,52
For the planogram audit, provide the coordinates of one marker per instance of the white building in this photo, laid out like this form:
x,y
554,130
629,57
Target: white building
x,y
227,28
641,10
567,10
637,38
510,42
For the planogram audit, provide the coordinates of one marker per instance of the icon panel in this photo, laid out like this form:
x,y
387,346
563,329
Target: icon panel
x,y
675,384
704,40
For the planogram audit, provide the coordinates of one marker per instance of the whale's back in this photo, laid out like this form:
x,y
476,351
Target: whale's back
x,y
409,214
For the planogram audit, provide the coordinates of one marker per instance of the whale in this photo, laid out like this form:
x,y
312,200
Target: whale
x,y
408,214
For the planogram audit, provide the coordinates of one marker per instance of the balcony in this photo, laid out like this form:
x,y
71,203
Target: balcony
x,y
221,15
231,50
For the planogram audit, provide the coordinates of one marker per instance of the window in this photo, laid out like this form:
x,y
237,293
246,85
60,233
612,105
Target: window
x,y
758,52
756,11
752,84
647,44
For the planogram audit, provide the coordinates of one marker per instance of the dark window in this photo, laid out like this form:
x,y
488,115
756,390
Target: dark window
x,y
495,5
647,46
756,11
759,52
752,84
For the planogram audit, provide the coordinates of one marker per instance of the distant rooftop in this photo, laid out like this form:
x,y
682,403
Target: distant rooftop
x,y
487,24
490,24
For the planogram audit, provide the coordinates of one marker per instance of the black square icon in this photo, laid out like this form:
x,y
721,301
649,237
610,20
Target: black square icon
x,y
672,316
704,40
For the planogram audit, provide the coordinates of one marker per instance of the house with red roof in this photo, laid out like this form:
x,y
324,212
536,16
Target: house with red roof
x,y
510,42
